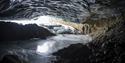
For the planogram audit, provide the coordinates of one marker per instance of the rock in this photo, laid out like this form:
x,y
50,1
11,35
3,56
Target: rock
x,y
109,47
76,53
12,59
4,5
13,31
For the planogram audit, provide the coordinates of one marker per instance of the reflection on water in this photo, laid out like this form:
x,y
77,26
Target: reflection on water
x,y
45,47
39,51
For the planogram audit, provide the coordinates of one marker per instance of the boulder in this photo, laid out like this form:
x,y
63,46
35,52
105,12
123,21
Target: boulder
x,y
12,59
13,31
75,53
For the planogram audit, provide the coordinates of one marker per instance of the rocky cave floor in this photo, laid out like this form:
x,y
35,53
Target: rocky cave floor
x,y
108,48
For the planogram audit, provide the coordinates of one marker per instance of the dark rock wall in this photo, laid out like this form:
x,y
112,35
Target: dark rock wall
x,y
76,53
107,48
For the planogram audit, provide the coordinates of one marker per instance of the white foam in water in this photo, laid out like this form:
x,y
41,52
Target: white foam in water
x,y
61,41
39,51
45,47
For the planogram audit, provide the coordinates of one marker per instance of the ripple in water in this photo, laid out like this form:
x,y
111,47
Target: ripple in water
x,y
39,51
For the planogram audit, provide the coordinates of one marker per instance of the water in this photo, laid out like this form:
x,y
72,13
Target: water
x,y
38,50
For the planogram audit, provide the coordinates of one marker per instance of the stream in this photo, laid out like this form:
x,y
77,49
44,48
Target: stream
x,y
40,51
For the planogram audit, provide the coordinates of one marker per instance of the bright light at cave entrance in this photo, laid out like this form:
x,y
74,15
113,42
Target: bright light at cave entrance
x,y
46,20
